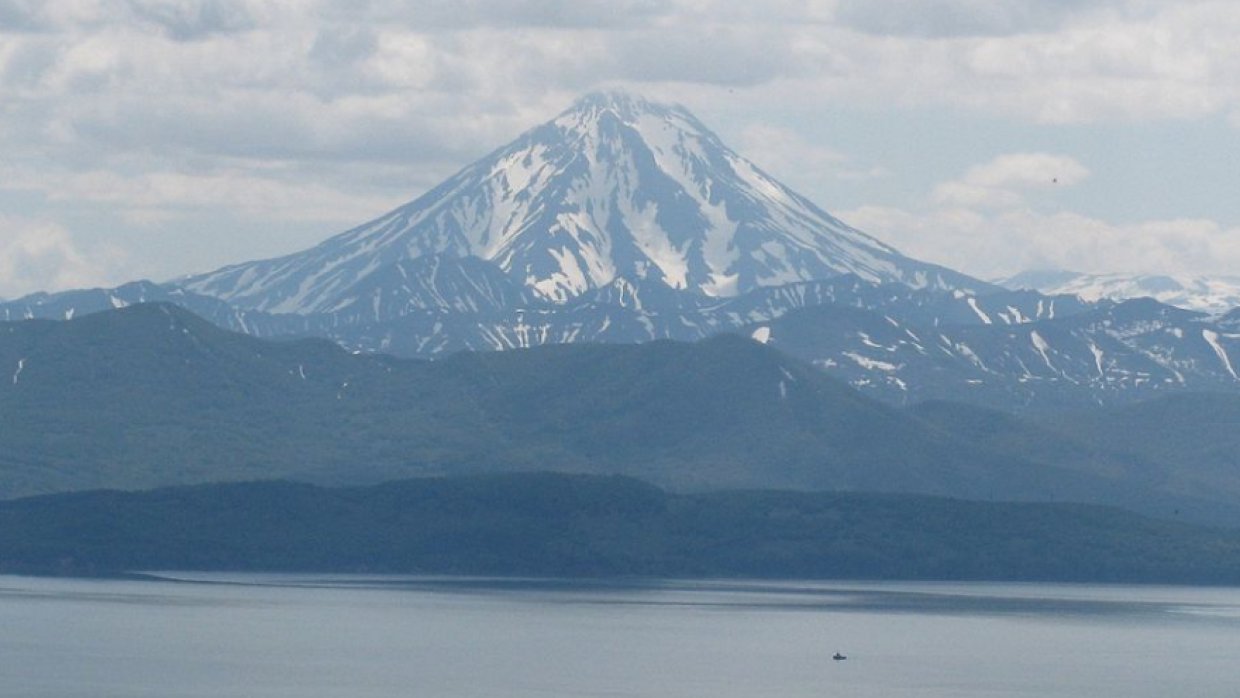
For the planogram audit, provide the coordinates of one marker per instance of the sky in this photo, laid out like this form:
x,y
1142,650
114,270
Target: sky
x,y
157,138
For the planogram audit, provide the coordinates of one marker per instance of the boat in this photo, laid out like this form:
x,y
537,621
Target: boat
x,y
837,656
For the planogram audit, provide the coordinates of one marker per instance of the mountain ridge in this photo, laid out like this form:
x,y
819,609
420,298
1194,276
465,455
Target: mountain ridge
x,y
1215,295
1008,349
151,395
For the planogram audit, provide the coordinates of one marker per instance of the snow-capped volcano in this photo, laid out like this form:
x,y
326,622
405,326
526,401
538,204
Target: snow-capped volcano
x,y
616,187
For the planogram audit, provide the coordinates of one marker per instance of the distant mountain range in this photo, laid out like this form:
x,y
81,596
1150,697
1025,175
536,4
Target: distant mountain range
x,y
624,221
152,395
1208,294
1012,350
1092,355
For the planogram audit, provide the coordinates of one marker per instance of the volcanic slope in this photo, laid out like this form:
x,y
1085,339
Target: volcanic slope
x,y
614,187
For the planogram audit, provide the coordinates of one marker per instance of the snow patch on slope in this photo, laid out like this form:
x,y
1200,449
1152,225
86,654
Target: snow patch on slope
x,y
1211,338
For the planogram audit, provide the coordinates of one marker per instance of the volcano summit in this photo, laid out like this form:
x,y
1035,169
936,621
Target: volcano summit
x,y
616,187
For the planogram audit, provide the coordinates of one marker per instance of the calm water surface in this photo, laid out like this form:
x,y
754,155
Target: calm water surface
x,y
315,637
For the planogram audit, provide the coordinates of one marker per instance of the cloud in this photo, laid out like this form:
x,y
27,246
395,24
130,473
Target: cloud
x,y
983,18
439,15
787,155
1003,181
985,224
319,110
190,20
429,80
715,55
1124,61
343,47
37,254
955,18
20,16
158,197
230,80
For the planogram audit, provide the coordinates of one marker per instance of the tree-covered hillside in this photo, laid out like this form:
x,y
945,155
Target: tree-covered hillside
x,y
152,395
561,525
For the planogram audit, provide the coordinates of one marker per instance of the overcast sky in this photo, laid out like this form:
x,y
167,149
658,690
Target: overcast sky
x,y
150,139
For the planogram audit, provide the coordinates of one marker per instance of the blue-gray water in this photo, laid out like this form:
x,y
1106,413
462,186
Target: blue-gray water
x,y
313,637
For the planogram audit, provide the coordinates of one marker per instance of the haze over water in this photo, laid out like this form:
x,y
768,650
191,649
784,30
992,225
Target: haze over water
x,y
318,637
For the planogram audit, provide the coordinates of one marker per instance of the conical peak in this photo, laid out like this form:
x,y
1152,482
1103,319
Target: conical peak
x,y
617,185
625,107
618,101
616,120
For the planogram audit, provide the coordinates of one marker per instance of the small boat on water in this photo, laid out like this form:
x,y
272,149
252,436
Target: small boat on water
x,y
837,656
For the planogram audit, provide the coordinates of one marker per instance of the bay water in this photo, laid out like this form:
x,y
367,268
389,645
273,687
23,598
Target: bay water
x,y
319,636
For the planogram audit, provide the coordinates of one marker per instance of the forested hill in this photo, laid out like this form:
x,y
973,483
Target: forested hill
x,y
152,395
573,525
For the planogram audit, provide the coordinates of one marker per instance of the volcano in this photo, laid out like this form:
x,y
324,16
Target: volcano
x,y
614,188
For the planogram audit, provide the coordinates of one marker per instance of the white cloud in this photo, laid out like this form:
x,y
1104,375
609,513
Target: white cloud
x,y
1003,181
785,154
158,197
1004,243
322,110
947,18
298,81
1092,63
191,20
440,15
984,223
35,254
